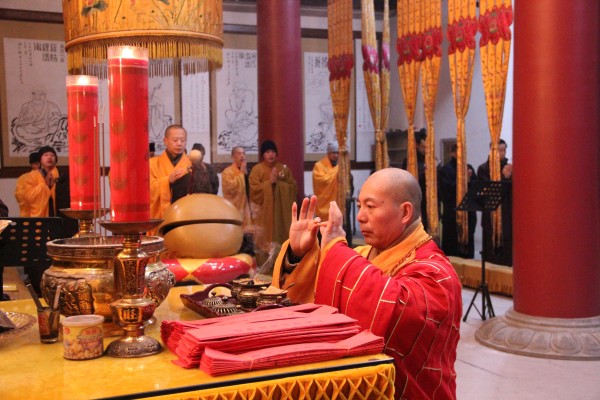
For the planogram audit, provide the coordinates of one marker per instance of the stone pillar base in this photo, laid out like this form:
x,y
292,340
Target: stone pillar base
x,y
559,338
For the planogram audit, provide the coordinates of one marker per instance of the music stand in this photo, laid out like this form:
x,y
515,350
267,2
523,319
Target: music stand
x,y
484,196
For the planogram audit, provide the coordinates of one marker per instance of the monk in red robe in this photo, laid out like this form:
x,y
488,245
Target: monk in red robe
x,y
400,285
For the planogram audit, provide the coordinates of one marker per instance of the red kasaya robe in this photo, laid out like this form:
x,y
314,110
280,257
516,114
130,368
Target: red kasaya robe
x,y
418,312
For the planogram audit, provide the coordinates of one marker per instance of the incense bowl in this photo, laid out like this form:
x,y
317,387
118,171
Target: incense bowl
x,y
84,268
271,296
247,284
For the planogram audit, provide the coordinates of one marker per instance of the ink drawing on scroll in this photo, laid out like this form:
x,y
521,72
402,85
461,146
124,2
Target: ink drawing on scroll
x,y
36,95
237,112
160,109
319,125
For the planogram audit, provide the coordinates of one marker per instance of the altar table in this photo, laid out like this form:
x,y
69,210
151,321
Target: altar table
x,y
29,369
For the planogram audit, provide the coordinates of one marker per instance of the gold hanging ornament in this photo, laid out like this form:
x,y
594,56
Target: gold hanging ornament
x,y
462,27
340,63
377,80
495,19
409,63
189,30
430,69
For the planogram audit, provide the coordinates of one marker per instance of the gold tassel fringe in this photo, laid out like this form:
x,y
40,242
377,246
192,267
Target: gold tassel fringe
x,y
196,55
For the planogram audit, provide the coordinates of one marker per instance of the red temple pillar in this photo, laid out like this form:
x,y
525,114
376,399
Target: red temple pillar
x,y
556,193
280,108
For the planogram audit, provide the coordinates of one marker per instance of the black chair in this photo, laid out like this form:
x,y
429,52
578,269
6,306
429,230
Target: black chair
x,y
25,245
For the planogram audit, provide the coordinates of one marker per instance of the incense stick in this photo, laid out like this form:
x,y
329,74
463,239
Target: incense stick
x,y
35,297
56,298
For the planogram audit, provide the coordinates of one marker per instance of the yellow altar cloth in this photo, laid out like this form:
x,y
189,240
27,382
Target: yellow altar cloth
x,y
29,369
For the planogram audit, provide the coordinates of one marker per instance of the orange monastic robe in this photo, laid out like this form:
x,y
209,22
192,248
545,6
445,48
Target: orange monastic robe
x,y
234,190
271,203
325,186
33,194
160,190
409,294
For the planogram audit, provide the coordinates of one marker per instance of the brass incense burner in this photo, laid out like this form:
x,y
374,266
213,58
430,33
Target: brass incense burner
x,y
272,296
84,268
237,285
246,291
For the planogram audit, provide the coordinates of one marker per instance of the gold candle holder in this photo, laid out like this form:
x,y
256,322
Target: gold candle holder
x,y
132,311
85,220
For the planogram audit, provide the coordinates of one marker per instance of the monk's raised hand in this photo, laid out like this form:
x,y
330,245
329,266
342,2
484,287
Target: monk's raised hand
x,y
304,227
334,227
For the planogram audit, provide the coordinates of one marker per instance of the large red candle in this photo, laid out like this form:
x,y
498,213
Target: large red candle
x,y
128,102
82,105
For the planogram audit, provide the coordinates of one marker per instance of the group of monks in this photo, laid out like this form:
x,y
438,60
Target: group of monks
x,y
399,285
263,195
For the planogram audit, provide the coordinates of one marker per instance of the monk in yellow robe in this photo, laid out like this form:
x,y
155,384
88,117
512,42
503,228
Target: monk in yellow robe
x,y
234,180
36,190
169,172
325,181
272,192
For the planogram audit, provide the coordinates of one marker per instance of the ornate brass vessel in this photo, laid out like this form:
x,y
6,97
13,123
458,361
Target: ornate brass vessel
x,y
249,294
271,296
237,285
84,267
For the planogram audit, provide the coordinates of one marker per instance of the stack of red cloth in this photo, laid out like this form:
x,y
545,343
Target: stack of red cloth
x,y
285,336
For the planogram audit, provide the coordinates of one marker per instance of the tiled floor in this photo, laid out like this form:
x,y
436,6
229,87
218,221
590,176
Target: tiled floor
x,y
485,373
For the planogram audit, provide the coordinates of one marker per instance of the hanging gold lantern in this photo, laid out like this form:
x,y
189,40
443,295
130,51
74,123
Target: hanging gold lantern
x,y
190,30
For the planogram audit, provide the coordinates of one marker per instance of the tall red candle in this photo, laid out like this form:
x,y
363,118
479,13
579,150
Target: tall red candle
x,y
128,105
82,106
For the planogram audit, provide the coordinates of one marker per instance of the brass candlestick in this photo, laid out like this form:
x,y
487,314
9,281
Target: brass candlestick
x,y
132,311
85,220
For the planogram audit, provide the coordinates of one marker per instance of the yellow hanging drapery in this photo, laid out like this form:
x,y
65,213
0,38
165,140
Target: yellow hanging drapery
x,y
495,19
189,30
377,78
409,63
462,27
430,70
340,63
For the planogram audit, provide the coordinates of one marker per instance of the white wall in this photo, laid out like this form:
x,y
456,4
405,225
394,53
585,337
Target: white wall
x,y
7,194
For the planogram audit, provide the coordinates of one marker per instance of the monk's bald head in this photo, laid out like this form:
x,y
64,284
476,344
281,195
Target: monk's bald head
x,y
174,128
400,186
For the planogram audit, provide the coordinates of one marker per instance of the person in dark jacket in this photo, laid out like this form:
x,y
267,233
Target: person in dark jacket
x,y
501,254
447,195
421,143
